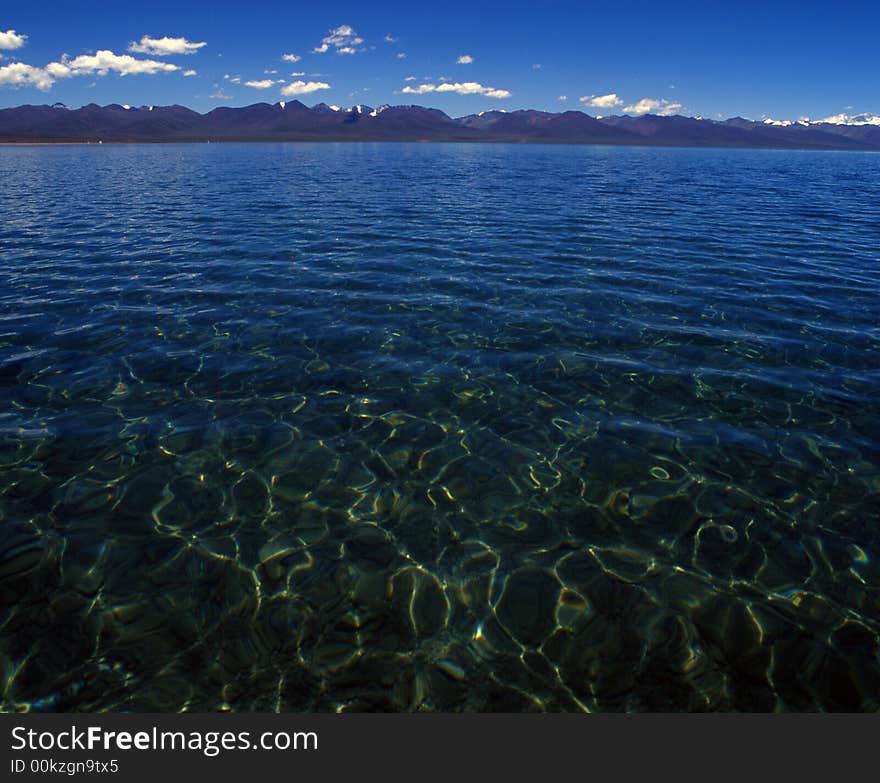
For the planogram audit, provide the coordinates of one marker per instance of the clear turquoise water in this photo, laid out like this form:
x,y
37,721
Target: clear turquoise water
x,y
438,427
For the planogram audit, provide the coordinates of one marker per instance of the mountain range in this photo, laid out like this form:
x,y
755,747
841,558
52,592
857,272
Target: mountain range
x,y
294,121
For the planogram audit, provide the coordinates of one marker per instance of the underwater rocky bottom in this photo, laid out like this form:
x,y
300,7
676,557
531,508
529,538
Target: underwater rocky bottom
x,y
329,551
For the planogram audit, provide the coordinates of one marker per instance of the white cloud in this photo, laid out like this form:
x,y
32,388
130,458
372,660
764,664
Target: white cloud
x,y
220,95
537,67
291,58
343,39
465,59
22,75
461,88
401,55
270,71
12,40
161,47
190,73
58,70
562,98
609,101
260,84
390,38
298,73
659,106
302,88
103,61
410,79
233,79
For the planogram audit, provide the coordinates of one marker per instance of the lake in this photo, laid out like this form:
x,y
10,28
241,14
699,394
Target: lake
x,y
405,427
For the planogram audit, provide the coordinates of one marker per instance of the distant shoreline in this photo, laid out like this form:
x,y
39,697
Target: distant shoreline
x,y
519,142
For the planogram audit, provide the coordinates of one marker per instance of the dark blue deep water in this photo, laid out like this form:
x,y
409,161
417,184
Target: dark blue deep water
x,y
438,427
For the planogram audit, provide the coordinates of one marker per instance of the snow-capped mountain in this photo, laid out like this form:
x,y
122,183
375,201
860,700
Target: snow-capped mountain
x,y
294,121
852,119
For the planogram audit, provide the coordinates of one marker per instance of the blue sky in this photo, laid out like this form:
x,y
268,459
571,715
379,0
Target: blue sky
x,y
754,59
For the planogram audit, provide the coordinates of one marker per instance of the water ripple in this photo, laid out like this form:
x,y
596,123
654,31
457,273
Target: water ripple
x,y
439,427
